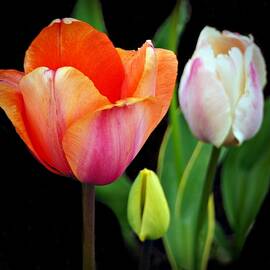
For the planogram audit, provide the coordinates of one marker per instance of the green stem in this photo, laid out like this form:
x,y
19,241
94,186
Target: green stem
x,y
186,173
145,259
88,203
209,179
206,192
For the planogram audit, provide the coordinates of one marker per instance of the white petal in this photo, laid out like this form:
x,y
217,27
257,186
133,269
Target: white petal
x,y
205,103
259,64
248,116
206,54
207,34
249,110
246,41
230,70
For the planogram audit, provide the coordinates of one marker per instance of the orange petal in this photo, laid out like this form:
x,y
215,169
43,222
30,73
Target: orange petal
x,y
166,77
41,115
53,100
75,95
126,56
140,71
101,145
149,72
74,43
11,101
11,77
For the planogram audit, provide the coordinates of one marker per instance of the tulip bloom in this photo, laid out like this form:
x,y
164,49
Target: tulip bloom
x,y
83,107
148,211
221,88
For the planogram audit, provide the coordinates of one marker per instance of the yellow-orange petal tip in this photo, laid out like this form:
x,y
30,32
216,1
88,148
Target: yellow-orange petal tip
x,y
150,43
69,20
64,20
55,21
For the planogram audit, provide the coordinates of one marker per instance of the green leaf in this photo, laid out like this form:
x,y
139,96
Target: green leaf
x,y
179,241
167,165
168,34
115,196
245,181
90,11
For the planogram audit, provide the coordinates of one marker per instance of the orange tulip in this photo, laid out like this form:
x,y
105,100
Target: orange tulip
x,y
83,107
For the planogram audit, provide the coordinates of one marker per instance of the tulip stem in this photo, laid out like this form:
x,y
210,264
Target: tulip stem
x,y
209,180
145,259
206,192
88,204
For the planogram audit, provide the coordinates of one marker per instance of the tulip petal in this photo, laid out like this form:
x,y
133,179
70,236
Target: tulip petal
x,y
249,110
69,42
140,71
41,115
208,33
259,64
126,56
166,77
147,209
230,70
75,95
11,101
246,41
11,78
220,43
53,101
156,213
121,129
204,101
142,67
101,145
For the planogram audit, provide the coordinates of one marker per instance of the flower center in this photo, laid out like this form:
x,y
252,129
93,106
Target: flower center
x,y
222,44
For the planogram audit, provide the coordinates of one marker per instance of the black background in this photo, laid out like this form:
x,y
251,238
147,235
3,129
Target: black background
x,y
40,213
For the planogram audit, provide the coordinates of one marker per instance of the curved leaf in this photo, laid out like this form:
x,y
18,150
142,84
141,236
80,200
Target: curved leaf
x,y
168,34
245,181
90,11
180,241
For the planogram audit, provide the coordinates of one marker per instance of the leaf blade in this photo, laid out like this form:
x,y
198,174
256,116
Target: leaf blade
x,y
90,11
245,181
179,241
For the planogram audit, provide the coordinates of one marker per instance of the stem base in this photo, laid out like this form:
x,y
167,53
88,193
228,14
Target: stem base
x,y
88,204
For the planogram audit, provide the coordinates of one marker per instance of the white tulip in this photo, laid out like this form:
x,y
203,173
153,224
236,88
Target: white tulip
x,y
221,88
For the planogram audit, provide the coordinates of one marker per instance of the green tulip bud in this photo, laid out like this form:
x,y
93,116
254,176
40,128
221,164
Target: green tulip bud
x,y
148,211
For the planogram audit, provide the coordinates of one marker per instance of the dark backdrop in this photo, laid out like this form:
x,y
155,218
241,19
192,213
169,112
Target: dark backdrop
x,y
40,213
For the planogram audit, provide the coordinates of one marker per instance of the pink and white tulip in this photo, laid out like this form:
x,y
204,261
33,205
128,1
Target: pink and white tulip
x,y
221,88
